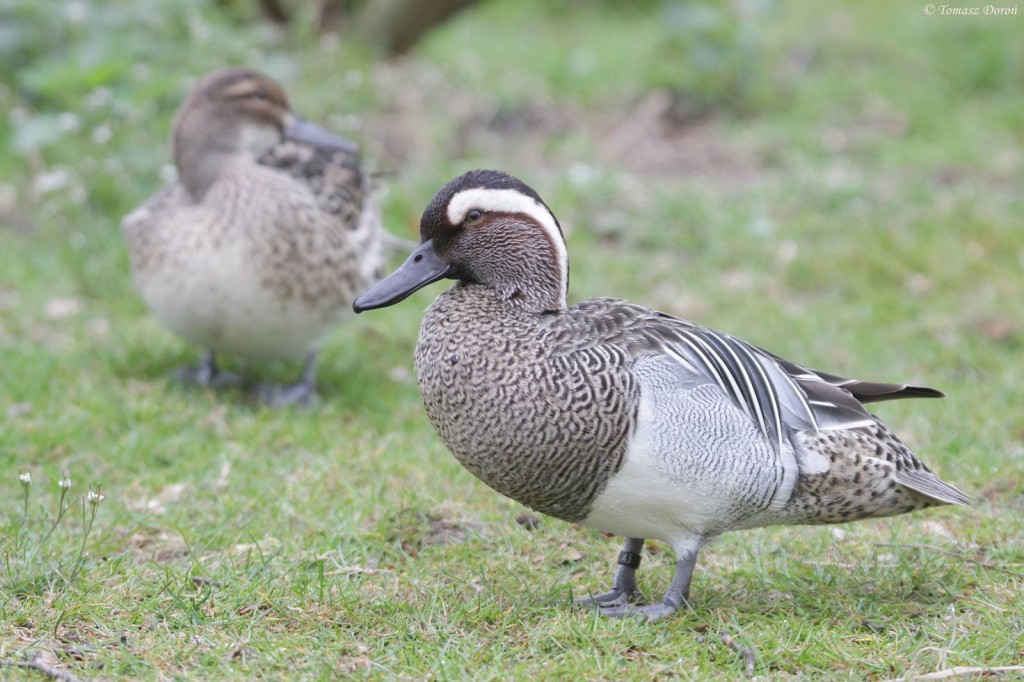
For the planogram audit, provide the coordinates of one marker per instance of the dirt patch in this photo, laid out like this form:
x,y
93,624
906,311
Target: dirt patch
x,y
528,521
156,545
140,499
425,118
415,530
655,137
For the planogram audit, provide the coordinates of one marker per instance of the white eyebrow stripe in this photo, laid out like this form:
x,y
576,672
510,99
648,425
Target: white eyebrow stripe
x,y
513,201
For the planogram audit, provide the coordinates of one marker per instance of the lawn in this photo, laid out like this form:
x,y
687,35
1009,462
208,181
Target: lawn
x,y
840,184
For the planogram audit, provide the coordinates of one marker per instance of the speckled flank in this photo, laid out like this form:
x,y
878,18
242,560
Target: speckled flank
x,y
862,480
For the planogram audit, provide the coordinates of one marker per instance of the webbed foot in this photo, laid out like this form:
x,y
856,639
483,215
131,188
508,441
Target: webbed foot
x,y
651,612
303,393
207,374
278,396
624,589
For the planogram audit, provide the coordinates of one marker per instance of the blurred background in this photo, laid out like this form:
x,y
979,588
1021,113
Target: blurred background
x,y
837,182
750,140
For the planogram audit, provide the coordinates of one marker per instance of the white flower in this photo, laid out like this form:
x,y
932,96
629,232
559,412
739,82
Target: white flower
x,y
68,122
25,478
101,134
94,497
65,482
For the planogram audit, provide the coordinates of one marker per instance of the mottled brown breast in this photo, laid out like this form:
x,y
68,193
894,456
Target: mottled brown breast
x,y
537,418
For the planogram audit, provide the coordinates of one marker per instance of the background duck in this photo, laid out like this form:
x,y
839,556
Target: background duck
x,y
625,419
261,244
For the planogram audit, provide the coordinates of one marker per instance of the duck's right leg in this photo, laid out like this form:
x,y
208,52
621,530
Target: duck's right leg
x,y
675,598
624,589
208,374
302,393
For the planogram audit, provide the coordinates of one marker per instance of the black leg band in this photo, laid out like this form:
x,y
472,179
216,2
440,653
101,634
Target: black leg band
x,y
630,559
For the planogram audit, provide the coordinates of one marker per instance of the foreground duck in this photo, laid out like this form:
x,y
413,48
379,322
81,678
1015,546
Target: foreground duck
x,y
622,418
269,232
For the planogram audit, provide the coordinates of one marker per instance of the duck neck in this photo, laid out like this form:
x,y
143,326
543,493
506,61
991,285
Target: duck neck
x,y
539,297
510,298
199,161
534,278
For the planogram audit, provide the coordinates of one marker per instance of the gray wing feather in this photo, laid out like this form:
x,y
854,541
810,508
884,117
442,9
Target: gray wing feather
x,y
864,391
778,395
333,176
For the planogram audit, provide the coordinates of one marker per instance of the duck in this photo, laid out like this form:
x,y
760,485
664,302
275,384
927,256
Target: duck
x,y
625,419
259,246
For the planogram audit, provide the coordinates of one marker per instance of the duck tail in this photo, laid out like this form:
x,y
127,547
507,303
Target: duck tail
x,y
926,483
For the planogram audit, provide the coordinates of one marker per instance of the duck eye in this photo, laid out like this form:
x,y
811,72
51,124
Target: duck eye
x,y
473,215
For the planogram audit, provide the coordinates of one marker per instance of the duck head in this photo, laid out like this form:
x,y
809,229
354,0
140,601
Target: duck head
x,y
486,228
232,113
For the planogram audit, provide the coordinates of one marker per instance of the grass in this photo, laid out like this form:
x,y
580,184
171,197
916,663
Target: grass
x,y
833,183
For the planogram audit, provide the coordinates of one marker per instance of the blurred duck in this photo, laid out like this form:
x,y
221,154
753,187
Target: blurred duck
x,y
624,419
260,246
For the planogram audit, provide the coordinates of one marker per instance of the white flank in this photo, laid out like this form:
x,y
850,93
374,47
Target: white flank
x,y
513,201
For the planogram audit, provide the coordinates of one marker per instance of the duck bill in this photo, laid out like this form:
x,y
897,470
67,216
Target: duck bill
x,y
422,267
301,130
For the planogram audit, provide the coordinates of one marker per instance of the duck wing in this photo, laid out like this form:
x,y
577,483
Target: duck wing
x,y
864,391
778,395
332,174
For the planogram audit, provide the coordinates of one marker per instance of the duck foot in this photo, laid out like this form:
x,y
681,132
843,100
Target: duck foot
x,y
651,612
303,393
207,374
674,598
614,597
278,396
624,588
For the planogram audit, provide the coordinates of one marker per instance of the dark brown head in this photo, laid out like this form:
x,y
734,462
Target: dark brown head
x,y
232,113
488,228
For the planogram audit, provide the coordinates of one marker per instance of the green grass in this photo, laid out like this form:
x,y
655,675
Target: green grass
x,y
844,189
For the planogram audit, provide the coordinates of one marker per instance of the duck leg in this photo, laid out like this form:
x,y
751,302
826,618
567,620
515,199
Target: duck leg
x,y
207,374
677,594
624,589
302,393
